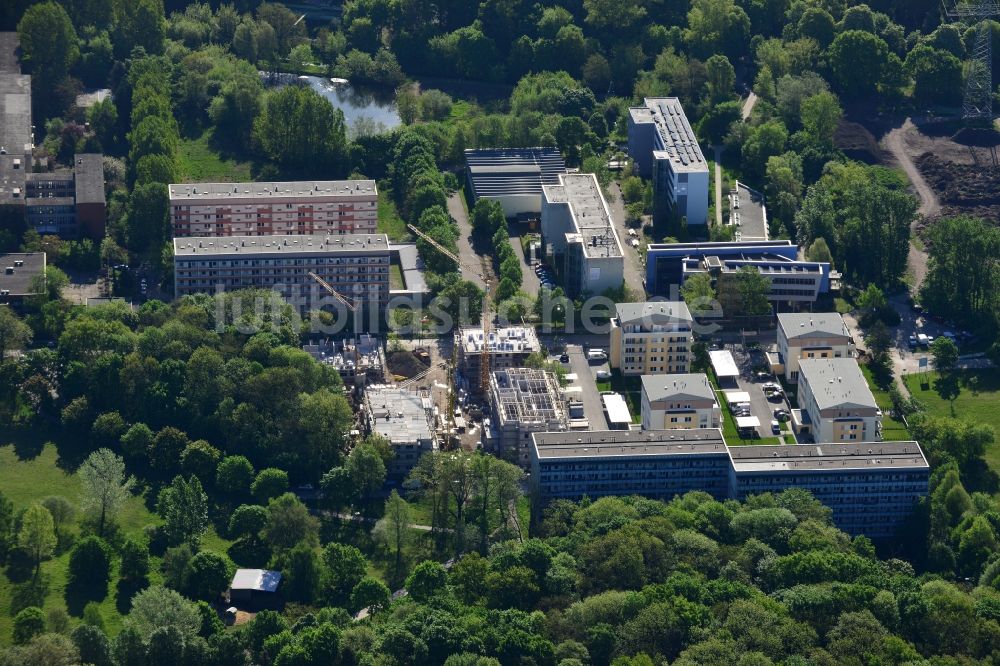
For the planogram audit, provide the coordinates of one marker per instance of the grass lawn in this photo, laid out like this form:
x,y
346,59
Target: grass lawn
x,y
978,401
31,471
200,162
389,221
892,429
396,277
631,390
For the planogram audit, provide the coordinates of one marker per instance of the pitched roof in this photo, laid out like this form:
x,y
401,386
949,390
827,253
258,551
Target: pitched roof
x,y
653,312
258,580
812,324
836,383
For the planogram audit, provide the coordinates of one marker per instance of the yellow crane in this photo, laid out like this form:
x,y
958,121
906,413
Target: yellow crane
x,y
487,318
333,292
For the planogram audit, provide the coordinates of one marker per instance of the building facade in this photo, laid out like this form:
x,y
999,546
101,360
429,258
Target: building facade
x,y
659,465
651,338
514,177
522,401
835,402
791,281
322,207
679,402
68,203
508,347
577,227
405,419
664,148
871,487
804,335
355,266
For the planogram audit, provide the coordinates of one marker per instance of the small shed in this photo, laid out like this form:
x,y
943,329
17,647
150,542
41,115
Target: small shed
x,y
254,585
747,426
737,397
617,412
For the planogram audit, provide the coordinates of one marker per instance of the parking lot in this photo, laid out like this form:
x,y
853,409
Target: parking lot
x,y
593,409
747,362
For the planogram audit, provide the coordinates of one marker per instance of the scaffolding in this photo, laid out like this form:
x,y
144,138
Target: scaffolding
x,y
528,396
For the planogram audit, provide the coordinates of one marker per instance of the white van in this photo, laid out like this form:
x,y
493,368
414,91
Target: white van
x,y
597,355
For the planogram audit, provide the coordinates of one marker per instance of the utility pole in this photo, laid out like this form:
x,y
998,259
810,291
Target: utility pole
x,y
977,103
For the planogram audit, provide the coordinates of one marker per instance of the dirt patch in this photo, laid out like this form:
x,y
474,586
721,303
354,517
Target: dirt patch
x,y
405,364
858,143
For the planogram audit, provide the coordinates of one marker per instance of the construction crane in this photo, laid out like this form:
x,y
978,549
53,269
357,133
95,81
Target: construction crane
x,y
333,292
487,318
977,103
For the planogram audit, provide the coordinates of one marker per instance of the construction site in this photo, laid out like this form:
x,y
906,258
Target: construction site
x,y
406,419
506,347
522,401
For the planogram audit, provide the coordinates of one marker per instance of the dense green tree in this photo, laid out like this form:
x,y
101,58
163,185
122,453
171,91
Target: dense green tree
x,y
289,523
370,593
48,41
37,536
343,567
134,565
93,644
963,270
234,475
207,575
90,564
301,574
28,623
299,130
14,333
426,580
158,607
936,74
268,484
184,507
859,61
393,530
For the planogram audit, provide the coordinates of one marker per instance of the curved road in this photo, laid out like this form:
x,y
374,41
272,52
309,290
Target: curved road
x,y
929,203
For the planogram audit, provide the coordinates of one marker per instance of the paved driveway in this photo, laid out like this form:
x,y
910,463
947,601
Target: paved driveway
x,y
634,270
529,281
593,408
465,252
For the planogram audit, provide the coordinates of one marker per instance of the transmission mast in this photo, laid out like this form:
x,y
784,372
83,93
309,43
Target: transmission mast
x,y
978,100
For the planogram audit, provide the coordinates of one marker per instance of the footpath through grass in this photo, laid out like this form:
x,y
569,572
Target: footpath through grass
x,y
977,400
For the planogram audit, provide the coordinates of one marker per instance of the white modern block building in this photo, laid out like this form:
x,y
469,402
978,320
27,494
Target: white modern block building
x,y
664,148
577,226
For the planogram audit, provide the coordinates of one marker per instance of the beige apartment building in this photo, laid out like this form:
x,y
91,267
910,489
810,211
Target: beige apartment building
x,y
267,208
651,338
803,335
356,266
681,401
835,403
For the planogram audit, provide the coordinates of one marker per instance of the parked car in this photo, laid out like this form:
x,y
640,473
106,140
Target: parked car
x,y
564,358
775,427
781,415
762,376
922,339
602,375
595,355
912,342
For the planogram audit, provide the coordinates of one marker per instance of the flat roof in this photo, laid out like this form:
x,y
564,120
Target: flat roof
x,y
723,363
812,324
735,397
258,580
499,172
399,414
750,218
10,45
747,422
19,282
678,141
829,457
589,212
272,189
627,443
723,247
616,408
304,245
411,265
692,385
653,312
836,383
89,178
527,395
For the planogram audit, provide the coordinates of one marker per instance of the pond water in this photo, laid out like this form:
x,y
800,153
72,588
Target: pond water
x,y
366,110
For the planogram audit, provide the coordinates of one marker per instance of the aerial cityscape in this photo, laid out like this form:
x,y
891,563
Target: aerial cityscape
x,y
499,333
